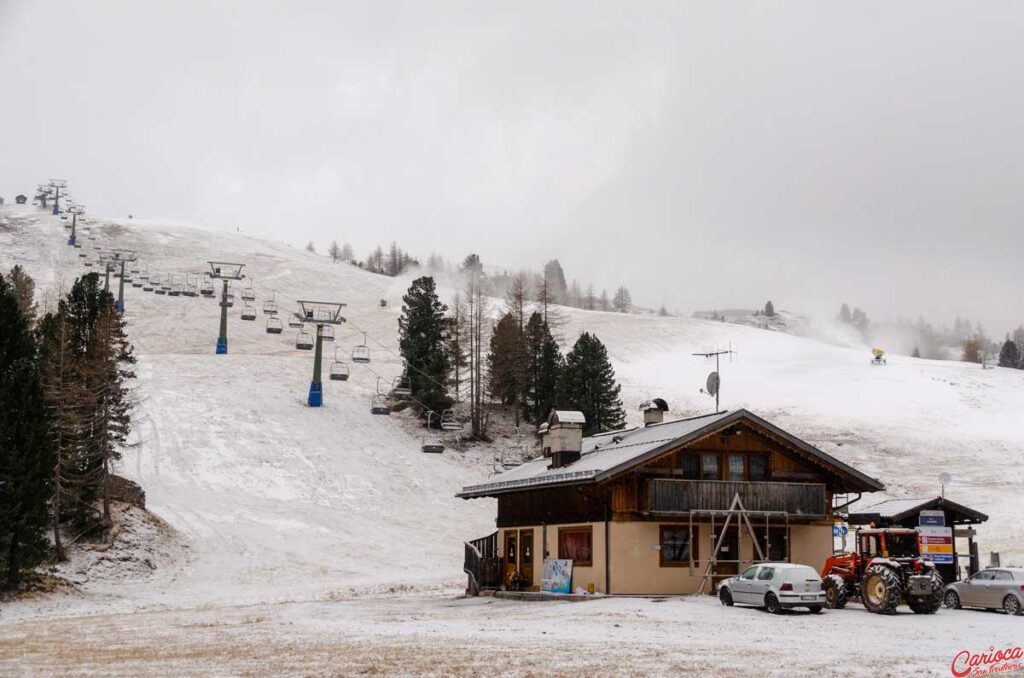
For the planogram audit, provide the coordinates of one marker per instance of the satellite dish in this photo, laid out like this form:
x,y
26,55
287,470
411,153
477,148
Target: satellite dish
x,y
945,478
713,383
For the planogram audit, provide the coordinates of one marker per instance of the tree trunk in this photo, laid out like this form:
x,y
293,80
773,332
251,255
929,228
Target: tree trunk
x,y
14,561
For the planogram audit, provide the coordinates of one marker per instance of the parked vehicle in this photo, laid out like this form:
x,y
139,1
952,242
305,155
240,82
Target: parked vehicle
x,y
992,589
775,587
885,571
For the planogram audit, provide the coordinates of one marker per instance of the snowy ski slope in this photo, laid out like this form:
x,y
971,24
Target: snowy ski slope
x,y
277,500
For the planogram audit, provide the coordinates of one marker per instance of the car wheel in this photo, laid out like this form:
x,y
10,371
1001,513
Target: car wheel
x,y
952,600
725,596
772,604
815,609
1011,606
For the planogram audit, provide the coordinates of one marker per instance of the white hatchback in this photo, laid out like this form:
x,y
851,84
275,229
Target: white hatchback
x,y
775,587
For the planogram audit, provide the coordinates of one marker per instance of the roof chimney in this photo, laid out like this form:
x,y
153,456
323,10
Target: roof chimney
x,y
654,411
561,437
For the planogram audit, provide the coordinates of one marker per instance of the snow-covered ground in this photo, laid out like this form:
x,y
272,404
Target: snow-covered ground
x,y
280,507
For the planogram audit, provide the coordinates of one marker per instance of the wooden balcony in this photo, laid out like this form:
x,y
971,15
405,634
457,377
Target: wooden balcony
x,y
799,500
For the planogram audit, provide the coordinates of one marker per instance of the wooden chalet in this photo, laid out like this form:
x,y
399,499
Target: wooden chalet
x,y
666,508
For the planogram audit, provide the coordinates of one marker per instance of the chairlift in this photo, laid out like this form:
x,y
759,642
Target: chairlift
x,y
378,406
248,294
339,371
431,444
295,321
304,341
248,312
148,287
88,263
207,288
274,326
449,422
175,291
327,333
269,308
402,386
160,290
82,254
136,283
361,353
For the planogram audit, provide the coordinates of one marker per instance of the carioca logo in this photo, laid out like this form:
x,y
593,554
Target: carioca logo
x,y
965,662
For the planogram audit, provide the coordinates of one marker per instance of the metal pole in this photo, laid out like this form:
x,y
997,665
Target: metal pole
x,y
120,291
106,277
56,200
316,388
74,222
718,371
222,338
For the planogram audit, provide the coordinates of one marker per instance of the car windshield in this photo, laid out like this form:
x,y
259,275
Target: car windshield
x,y
902,545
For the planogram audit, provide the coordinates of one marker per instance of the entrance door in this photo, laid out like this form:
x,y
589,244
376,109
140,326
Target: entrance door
x,y
526,554
730,551
511,554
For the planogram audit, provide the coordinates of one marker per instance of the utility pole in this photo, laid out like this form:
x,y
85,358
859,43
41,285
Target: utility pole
x,y
714,380
225,271
321,313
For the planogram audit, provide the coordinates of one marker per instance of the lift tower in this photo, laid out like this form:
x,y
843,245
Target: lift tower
x,y
121,257
74,210
322,313
226,271
57,185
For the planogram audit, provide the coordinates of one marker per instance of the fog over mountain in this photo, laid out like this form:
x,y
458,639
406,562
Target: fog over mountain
x,y
704,154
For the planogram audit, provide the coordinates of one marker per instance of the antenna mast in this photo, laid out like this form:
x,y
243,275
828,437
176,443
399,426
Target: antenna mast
x,y
713,385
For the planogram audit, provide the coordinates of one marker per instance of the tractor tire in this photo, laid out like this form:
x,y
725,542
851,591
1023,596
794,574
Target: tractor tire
x,y
835,591
881,590
931,603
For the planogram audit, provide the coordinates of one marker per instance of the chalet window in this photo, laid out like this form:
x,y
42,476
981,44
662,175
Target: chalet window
x,y
691,466
757,467
736,467
709,466
576,544
511,548
676,545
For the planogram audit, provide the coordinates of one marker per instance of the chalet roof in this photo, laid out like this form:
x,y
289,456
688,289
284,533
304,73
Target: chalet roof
x,y
608,454
898,510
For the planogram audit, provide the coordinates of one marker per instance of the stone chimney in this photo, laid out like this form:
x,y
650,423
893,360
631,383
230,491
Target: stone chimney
x,y
561,437
654,411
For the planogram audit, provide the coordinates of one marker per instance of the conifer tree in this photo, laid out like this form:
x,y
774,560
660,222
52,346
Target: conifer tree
x,y
504,361
310,247
588,385
422,331
346,253
769,309
25,458
543,366
25,291
1009,356
334,251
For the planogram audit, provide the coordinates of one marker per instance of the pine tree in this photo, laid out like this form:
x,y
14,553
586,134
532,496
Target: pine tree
x,y
588,385
543,366
26,461
589,300
25,291
554,276
504,361
844,314
971,350
663,312
623,301
310,247
455,344
916,353
474,332
422,332
769,309
1018,339
605,305
1009,356
334,251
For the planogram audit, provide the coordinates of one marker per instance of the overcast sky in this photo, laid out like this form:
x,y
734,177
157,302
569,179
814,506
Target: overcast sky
x,y
705,154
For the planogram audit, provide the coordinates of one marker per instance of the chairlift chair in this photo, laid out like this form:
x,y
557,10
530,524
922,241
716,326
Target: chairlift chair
x,y
147,287
207,288
327,333
304,341
274,326
248,312
175,291
361,353
248,294
269,308
449,422
378,406
136,283
82,254
295,321
431,444
339,371
88,263
402,386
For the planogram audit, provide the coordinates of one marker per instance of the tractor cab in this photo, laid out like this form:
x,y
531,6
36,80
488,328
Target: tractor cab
x,y
894,543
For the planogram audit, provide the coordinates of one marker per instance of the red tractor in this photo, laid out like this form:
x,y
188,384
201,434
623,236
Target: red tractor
x,y
885,571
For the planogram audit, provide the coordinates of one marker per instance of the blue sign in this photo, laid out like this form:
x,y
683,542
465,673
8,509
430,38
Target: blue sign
x,y
839,530
938,558
937,518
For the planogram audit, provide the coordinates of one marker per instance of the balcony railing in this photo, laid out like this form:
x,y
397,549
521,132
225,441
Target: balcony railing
x,y
482,564
670,496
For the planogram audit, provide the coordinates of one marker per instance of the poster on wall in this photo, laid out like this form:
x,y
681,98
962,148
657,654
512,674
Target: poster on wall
x,y
556,576
937,544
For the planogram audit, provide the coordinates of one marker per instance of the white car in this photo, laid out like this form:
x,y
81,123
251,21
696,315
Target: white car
x,y
775,587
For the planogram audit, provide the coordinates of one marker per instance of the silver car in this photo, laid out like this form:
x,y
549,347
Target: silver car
x,y
775,587
992,589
